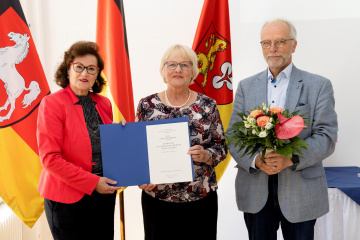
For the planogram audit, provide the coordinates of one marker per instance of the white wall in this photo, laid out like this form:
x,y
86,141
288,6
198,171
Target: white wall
x,y
328,44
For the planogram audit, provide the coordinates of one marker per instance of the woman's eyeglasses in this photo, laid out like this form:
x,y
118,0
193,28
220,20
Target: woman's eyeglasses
x,y
185,65
78,67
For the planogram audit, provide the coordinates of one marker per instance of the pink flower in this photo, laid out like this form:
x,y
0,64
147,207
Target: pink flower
x,y
275,110
289,127
256,113
262,121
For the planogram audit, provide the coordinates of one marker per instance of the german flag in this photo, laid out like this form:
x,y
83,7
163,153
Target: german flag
x,y
112,40
213,47
22,86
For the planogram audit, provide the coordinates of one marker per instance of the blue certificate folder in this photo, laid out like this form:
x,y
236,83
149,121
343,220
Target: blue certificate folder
x,y
125,151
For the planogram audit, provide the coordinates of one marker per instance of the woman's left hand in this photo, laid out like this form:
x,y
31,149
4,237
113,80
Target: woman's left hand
x,y
148,187
200,154
122,122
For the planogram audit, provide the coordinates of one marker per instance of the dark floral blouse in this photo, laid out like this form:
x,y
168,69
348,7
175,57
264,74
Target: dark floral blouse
x,y
205,129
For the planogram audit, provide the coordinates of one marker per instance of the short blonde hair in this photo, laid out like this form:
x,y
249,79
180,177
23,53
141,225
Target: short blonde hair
x,y
183,51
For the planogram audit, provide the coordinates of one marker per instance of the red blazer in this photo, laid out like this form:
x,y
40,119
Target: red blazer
x,y
64,146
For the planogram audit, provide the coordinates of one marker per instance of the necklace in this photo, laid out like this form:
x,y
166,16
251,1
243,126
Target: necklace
x,y
170,105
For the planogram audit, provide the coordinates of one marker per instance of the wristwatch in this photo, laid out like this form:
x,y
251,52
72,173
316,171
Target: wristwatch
x,y
295,160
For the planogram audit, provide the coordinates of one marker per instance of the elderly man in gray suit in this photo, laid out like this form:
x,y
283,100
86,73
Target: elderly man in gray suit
x,y
290,191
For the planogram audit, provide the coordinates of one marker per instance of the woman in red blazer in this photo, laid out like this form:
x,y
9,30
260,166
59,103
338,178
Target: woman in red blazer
x,y
79,201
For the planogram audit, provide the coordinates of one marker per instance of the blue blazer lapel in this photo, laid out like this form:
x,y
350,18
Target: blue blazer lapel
x,y
294,90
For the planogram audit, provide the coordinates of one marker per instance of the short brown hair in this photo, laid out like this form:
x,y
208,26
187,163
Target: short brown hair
x,y
80,48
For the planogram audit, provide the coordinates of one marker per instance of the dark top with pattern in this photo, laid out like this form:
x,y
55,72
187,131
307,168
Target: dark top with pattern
x,y
93,120
205,129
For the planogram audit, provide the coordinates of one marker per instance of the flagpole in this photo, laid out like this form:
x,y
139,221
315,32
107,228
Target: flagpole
x,y
122,215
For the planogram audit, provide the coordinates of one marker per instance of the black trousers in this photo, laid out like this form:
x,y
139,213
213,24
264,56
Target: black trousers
x,y
90,218
264,224
178,221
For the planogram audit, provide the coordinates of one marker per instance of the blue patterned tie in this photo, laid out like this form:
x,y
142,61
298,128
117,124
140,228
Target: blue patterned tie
x,y
273,80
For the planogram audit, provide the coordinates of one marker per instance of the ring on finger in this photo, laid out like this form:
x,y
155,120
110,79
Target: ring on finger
x,y
199,156
275,164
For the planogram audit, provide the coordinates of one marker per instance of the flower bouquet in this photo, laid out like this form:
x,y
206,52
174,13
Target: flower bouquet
x,y
268,128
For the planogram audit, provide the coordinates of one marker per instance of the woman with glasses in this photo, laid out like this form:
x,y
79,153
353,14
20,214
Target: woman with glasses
x,y
79,201
184,210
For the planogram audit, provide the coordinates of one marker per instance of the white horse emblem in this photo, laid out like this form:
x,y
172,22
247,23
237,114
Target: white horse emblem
x,y
14,82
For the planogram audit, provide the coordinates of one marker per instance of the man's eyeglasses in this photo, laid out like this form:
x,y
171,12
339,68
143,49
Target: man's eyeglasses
x,y
278,43
185,65
78,67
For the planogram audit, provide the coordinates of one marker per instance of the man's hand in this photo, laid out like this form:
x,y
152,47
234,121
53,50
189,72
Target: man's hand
x,y
274,163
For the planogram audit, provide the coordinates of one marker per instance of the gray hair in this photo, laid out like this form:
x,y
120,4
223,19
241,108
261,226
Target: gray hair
x,y
288,23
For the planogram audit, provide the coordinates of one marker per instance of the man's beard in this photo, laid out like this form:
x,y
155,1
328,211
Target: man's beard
x,y
278,62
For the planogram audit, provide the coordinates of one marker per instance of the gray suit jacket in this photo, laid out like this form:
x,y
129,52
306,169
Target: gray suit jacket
x,y
302,192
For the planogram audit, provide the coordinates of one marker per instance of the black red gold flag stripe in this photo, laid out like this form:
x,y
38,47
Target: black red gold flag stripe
x,y
112,39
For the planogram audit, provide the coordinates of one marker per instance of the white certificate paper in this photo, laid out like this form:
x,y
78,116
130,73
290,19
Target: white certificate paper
x,y
168,145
